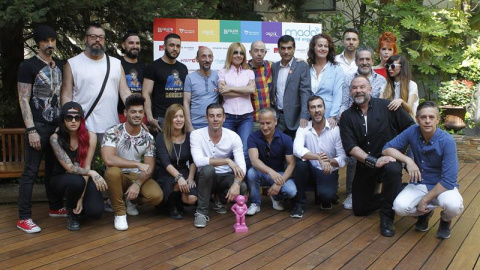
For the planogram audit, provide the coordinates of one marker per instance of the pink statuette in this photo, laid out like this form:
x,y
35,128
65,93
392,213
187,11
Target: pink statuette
x,y
240,209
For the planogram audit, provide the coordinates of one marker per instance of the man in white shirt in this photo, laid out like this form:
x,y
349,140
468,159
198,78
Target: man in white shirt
x,y
346,59
321,154
211,149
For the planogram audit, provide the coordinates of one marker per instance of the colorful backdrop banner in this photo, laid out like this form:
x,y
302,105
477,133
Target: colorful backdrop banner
x,y
219,34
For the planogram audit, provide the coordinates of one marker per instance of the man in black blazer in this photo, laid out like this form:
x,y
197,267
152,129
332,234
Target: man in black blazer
x,y
291,88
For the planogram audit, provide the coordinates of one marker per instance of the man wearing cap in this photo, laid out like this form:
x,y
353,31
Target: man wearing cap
x,y
39,81
83,79
133,68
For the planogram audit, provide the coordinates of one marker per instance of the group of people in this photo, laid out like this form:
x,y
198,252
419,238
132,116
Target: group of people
x,y
253,125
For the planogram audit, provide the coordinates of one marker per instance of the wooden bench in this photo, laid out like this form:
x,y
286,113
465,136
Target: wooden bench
x,y
13,153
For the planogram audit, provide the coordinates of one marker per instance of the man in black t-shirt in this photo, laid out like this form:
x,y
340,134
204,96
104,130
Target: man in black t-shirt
x,y
133,68
39,82
163,83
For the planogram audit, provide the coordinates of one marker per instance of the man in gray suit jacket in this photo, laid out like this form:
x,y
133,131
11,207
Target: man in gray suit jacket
x,y
291,88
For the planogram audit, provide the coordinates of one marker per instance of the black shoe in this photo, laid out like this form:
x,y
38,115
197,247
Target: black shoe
x,y
443,229
297,212
422,222
172,205
73,222
326,205
336,200
387,228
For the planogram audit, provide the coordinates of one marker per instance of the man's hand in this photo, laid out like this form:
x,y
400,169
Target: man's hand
x,y
183,185
422,206
384,160
154,125
303,122
233,191
276,177
34,141
132,192
237,171
273,190
143,167
327,167
413,171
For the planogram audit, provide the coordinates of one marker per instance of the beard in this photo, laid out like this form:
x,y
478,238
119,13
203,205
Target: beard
x,y
95,52
167,53
364,71
132,54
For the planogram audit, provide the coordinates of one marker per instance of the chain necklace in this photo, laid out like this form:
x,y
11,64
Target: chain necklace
x,y
179,152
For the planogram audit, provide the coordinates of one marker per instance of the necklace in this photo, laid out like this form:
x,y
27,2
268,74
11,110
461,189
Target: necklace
x,y
179,152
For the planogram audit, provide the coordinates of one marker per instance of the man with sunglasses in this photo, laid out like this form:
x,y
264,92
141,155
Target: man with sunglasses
x,y
83,78
364,62
270,150
39,81
319,149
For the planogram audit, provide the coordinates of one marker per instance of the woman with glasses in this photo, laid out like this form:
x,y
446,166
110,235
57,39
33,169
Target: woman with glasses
x,y
72,177
176,170
400,89
326,75
236,83
387,46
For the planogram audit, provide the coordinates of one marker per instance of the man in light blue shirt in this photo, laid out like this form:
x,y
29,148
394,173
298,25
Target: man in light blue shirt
x,y
433,173
200,90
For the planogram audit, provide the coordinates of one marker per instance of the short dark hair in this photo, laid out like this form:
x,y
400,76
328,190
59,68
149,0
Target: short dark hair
x,y
426,104
312,98
94,25
350,30
128,34
169,36
214,106
285,39
134,100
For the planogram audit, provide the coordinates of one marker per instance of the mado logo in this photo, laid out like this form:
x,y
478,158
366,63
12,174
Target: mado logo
x,y
302,33
186,31
165,29
230,31
250,33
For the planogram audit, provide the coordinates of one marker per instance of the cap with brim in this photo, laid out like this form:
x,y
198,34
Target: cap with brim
x,y
71,105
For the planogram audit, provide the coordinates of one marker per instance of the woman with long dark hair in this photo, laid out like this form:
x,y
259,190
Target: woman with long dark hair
x,y
72,177
176,168
326,75
400,88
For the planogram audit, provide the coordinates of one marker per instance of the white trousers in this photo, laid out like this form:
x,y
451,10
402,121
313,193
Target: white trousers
x,y
406,202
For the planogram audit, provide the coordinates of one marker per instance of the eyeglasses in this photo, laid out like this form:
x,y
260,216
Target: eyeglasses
x,y
267,149
238,52
393,66
94,37
70,118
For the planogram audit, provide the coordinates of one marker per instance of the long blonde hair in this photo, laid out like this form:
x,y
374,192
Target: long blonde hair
x,y
231,50
168,127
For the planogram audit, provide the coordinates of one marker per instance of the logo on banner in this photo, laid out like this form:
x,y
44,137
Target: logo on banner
x,y
165,29
251,33
303,34
188,60
275,50
230,31
208,32
186,31
271,34
161,48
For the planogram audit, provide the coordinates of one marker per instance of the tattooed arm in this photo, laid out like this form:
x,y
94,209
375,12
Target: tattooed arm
x,y
24,95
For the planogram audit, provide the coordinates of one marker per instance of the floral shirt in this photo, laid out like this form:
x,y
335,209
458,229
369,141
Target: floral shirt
x,y
129,147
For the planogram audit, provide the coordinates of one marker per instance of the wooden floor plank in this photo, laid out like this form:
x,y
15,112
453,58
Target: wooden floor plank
x,y
469,252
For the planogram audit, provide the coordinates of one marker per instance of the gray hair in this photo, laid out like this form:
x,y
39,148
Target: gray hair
x,y
266,110
361,49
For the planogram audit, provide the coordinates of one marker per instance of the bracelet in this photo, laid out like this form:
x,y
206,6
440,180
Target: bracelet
x,y
178,177
370,161
31,130
138,183
238,182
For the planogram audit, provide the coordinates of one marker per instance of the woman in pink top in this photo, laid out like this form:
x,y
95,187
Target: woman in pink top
x,y
236,83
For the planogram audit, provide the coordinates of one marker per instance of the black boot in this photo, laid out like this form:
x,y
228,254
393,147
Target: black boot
x,y
172,205
387,228
73,221
422,222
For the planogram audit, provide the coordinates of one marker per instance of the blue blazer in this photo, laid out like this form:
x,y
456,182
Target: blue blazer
x,y
330,88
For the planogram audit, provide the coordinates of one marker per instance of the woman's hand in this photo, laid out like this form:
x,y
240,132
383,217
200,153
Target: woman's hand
x,y
395,104
191,183
183,186
98,180
79,207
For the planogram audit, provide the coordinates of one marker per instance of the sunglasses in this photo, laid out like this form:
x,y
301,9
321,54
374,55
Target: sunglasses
x,y
70,118
238,52
393,66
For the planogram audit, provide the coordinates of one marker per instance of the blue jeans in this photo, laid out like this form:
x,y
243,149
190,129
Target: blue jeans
x,y
256,179
326,184
242,125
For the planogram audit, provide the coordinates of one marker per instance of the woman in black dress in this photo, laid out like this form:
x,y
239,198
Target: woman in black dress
x,y
176,170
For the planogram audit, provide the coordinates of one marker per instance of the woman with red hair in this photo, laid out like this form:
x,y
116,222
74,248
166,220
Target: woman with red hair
x,y
72,177
387,46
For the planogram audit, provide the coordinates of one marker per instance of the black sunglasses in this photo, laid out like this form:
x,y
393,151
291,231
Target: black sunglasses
x,y
393,65
70,118
238,52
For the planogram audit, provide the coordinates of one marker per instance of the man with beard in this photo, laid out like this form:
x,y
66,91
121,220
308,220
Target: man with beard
x,y
39,81
365,128
319,149
123,148
158,96
263,79
201,89
83,77
364,62
133,68
346,59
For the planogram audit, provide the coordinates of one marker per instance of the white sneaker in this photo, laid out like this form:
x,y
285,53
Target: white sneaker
x,y
277,205
131,208
253,209
348,204
121,223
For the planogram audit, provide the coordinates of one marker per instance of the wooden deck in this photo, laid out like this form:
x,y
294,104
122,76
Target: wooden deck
x,y
330,239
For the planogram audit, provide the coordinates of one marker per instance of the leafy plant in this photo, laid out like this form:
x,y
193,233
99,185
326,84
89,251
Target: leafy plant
x,y
456,93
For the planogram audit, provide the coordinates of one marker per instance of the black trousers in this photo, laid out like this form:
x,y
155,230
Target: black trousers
x,y
363,188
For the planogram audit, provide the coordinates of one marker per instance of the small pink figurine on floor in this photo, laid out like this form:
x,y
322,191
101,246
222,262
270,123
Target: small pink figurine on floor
x,y
240,209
